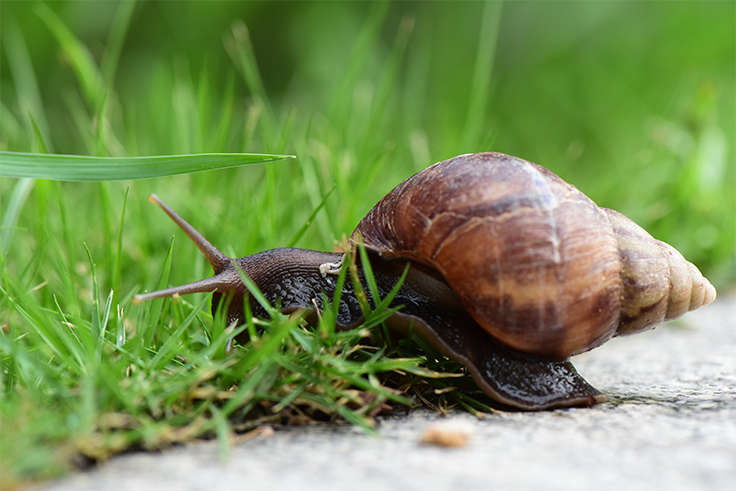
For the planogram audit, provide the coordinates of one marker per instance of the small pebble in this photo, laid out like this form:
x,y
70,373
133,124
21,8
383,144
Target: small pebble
x,y
447,434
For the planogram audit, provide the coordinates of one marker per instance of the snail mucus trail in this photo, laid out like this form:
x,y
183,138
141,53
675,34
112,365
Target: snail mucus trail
x,y
512,271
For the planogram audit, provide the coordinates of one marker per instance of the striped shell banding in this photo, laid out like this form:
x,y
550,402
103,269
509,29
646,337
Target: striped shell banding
x,y
536,263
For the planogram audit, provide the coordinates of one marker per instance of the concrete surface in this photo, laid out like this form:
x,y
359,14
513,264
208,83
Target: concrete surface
x,y
669,423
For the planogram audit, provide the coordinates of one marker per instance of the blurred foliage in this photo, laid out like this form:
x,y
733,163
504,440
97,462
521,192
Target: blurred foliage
x,y
633,102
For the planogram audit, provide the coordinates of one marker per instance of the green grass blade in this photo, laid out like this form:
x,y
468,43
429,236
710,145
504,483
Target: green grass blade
x,y
96,319
335,310
119,251
66,261
361,53
224,433
52,338
100,120
85,127
105,317
77,349
358,420
41,146
222,131
240,49
114,46
20,193
153,313
12,129
480,89
368,270
84,168
81,59
394,64
298,235
29,367
168,348
21,68
255,291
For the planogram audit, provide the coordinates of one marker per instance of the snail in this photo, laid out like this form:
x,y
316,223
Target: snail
x,y
512,272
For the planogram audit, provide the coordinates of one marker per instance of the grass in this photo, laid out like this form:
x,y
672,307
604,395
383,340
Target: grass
x,y
618,99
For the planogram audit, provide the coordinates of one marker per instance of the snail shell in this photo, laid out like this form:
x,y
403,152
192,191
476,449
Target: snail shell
x,y
534,261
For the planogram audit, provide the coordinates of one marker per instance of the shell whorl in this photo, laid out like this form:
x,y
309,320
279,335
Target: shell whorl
x,y
535,262
659,284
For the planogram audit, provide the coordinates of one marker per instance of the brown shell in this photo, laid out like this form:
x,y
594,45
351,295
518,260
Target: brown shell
x,y
534,260
659,284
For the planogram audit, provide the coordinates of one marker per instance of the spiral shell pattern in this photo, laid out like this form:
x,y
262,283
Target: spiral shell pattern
x,y
535,262
658,283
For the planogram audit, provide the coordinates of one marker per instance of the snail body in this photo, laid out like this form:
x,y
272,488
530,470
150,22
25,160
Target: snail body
x,y
512,272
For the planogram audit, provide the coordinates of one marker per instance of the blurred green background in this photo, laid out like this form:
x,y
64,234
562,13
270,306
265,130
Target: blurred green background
x,y
633,102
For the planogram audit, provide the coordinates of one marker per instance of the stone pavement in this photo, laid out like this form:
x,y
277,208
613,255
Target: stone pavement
x,y
669,423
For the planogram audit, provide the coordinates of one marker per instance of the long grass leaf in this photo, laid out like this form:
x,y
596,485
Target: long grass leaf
x,y
390,74
11,125
105,319
167,349
83,122
24,77
96,320
359,58
109,63
81,59
119,251
29,367
78,349
298,235
481,86
154,317
66,262
40,144
368,274
18,197
255,291
222,131
43,329
84,168
240,49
